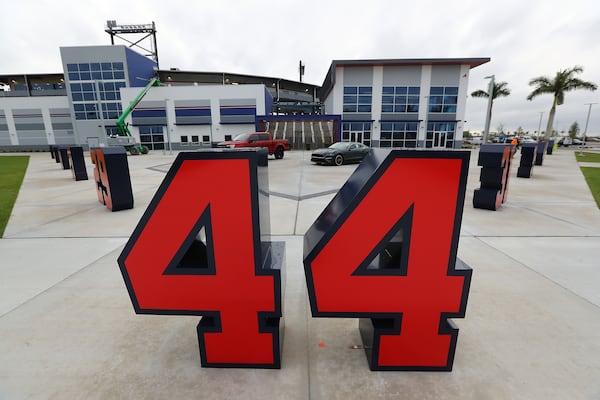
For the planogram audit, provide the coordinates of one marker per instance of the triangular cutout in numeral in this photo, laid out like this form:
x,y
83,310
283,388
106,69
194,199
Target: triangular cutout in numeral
x,y
196,254
390,256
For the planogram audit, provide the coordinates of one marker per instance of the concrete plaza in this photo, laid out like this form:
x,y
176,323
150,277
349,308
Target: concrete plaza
x,y
68,329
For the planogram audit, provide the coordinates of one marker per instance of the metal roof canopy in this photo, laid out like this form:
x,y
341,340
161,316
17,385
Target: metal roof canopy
x,y
472,62
226,78
288,96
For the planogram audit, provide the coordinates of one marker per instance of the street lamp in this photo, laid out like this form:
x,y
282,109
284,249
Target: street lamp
x,y
488,116
586,126
540,125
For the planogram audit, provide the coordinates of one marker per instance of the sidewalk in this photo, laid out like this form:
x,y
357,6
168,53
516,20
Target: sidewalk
x,y
68,329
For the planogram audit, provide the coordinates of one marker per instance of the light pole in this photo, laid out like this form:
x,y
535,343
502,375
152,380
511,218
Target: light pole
x,y
488,115
540,125
586,126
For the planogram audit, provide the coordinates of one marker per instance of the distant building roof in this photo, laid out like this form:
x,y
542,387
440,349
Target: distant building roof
x,y
329,81
473,62
175,76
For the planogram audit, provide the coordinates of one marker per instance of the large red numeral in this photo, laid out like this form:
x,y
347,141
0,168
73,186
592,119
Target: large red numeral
x,y
224,277
385,249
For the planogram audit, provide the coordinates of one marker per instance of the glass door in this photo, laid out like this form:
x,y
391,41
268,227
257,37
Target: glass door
x,y
439,139
356,136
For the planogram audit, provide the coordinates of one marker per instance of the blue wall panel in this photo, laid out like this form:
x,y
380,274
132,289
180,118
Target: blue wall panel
x,y
140,68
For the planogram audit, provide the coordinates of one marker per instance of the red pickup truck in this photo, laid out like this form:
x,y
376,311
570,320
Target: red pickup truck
x,y
258,139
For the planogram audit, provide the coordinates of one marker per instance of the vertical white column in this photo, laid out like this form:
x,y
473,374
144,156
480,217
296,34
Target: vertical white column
x,y
338,91
215,117
376,103
424,104
12,129
48,126
461,105
170,113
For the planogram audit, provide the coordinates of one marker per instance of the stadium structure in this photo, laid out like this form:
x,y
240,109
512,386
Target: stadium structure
x,y
403,103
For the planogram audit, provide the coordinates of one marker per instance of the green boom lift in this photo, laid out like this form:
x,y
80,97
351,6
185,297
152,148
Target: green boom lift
x,y
123,129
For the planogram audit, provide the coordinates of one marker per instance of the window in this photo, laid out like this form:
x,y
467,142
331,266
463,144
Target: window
x,y
443,99
184,140
357,99
400,99
357,132
91,83
111,131
111,110
399,134
86,111
152,137
440,135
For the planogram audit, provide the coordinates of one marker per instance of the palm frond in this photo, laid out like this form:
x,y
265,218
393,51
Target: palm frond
x,y
562,82
576,83
500,89
538,91
480,93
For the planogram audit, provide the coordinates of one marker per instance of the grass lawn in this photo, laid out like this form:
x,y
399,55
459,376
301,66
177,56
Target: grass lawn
x,y
12,171
592,177
587,157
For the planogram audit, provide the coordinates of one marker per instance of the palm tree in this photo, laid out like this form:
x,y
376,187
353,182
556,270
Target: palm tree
x,y
564,81
500,89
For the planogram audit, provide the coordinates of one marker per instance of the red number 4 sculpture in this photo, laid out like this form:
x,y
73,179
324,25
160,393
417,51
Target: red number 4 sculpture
x,y
197,251
384,250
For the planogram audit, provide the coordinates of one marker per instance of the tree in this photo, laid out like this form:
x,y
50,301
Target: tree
x,y
563,82
573,130
500,89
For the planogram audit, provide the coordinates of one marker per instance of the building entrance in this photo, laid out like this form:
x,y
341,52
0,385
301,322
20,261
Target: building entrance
x,y
439,140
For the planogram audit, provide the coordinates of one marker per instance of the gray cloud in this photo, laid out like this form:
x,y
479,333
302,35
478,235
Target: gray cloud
x,y
524,39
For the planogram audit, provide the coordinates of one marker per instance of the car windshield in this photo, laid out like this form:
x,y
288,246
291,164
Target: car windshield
x,y
339,146
241,138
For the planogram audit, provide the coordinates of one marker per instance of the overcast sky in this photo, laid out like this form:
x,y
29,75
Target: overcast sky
x,y
523,38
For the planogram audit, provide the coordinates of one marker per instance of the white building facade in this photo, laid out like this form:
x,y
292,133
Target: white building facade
x,y
406,103
185,116
402,103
